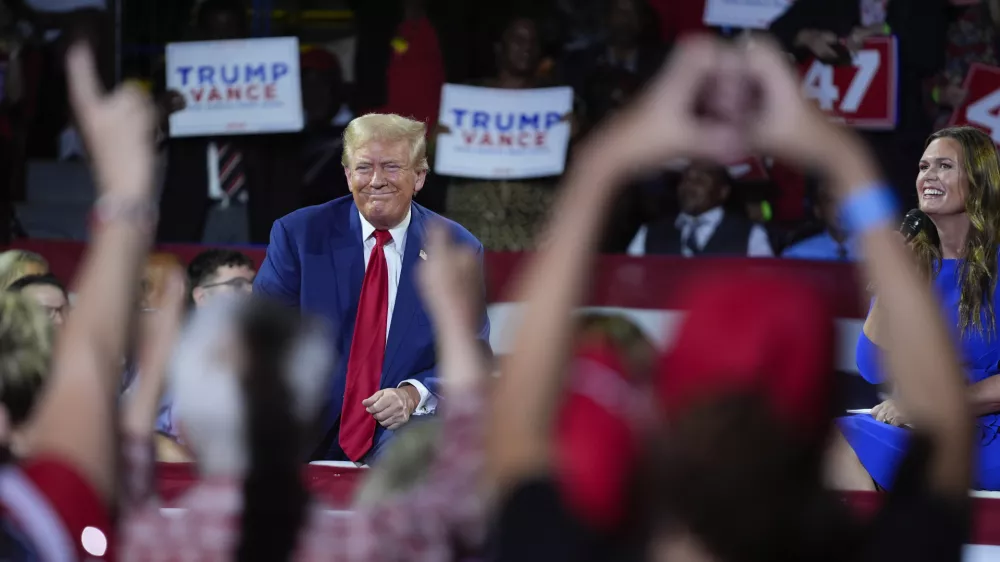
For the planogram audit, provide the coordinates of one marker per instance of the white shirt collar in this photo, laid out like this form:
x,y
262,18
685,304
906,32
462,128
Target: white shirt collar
x,y
712,217
398,232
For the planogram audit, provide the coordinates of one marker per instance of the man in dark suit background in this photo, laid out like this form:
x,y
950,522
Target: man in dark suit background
x,y
353,261
227,189
707,224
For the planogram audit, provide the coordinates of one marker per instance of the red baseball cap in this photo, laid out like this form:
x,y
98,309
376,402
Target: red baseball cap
x,y
596,437
757,332
319,59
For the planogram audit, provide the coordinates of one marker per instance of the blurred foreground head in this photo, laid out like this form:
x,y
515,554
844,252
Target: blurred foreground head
x,y
747,391
15,264
242,366
25,352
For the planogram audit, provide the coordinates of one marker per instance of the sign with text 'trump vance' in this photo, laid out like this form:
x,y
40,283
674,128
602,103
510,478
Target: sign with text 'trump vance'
x,y
492,133
236,87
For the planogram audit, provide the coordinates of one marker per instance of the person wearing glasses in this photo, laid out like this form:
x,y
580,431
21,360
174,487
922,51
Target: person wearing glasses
x,y
47,292
217,272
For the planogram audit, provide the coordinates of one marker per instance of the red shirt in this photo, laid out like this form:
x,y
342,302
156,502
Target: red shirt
x,y
416,73
56,510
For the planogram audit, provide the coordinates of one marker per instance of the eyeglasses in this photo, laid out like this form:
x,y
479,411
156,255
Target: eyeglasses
x,y
236,283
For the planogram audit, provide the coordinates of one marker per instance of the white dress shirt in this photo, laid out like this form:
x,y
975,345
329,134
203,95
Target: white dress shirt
x,y
394,252
758,244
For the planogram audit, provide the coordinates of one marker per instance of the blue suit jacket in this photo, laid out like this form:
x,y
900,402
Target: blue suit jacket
x,y
315,261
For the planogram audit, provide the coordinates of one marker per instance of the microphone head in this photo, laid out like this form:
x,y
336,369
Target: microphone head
x,y
913,223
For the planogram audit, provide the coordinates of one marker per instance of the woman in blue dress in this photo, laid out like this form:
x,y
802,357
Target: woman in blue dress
x,y
958,186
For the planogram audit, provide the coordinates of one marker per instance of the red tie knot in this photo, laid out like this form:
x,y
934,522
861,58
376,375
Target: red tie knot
x,y
382,237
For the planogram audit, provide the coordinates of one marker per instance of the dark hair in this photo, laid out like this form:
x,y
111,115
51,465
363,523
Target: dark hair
x,y
732,475
236,7
206,264
44,279
275,498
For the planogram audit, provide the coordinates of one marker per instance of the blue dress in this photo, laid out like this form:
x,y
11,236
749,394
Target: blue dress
x,y
879,446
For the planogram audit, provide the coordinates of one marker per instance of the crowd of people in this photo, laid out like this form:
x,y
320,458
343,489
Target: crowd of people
x,y
363,337
405,50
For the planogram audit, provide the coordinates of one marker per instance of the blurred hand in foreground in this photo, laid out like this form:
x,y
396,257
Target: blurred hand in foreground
x,y
117,127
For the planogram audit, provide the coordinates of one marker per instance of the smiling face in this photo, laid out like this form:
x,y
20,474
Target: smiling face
x,y
942,182
383,180
702,188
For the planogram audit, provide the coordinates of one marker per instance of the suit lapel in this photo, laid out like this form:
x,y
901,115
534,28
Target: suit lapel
x,y
406,293
349,250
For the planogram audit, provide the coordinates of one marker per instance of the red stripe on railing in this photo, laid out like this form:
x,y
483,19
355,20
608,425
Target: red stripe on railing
x,y
619,281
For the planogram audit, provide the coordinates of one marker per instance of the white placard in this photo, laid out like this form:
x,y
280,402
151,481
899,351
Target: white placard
x,y
492,133
750,14
236,87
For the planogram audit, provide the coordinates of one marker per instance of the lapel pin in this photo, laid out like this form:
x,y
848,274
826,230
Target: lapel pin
x,y
423,255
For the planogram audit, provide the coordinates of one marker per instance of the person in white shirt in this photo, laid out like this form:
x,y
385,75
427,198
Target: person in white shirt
x,y
704,226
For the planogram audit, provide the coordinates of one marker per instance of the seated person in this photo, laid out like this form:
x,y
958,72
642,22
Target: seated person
x,y
211,274
832,244
218,272
47,292
704,226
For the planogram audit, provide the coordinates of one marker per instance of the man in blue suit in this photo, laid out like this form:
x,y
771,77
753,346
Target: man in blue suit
x,y
353,261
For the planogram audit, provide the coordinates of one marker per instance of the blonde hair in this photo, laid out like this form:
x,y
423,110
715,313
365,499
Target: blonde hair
x,y
404,465
14,265
26,341
386,127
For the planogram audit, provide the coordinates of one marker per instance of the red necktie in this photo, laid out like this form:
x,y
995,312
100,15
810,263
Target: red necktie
x,y
364,366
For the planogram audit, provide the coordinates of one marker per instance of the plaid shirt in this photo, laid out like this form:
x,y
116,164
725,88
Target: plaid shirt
x,y
420,525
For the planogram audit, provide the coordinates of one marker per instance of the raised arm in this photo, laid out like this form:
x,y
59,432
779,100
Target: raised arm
x,y
922,362
660,126
139,413
77,418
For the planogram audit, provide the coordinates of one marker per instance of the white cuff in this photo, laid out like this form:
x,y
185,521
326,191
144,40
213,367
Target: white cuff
x,y
428,402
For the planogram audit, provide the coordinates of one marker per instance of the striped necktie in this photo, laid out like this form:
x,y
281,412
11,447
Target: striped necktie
x,y
231,175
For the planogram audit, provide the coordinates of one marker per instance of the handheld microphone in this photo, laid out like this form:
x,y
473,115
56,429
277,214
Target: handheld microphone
x,y
913,223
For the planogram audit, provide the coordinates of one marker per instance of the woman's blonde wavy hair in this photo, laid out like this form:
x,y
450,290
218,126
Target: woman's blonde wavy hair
x,y
25,354
982,205
14,265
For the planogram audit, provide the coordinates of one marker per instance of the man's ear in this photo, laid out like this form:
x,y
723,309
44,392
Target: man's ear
x,y
198,296
347,174
421,178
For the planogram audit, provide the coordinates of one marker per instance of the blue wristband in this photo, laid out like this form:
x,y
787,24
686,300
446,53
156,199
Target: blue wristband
x,y
868,208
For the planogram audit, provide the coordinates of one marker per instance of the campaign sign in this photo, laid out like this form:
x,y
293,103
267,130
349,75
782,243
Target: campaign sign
x,y
863,94
982,101
492,133
750,14
236,87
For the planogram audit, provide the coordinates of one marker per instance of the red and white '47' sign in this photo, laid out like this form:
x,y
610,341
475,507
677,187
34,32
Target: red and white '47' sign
x,y
982,100
863,94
